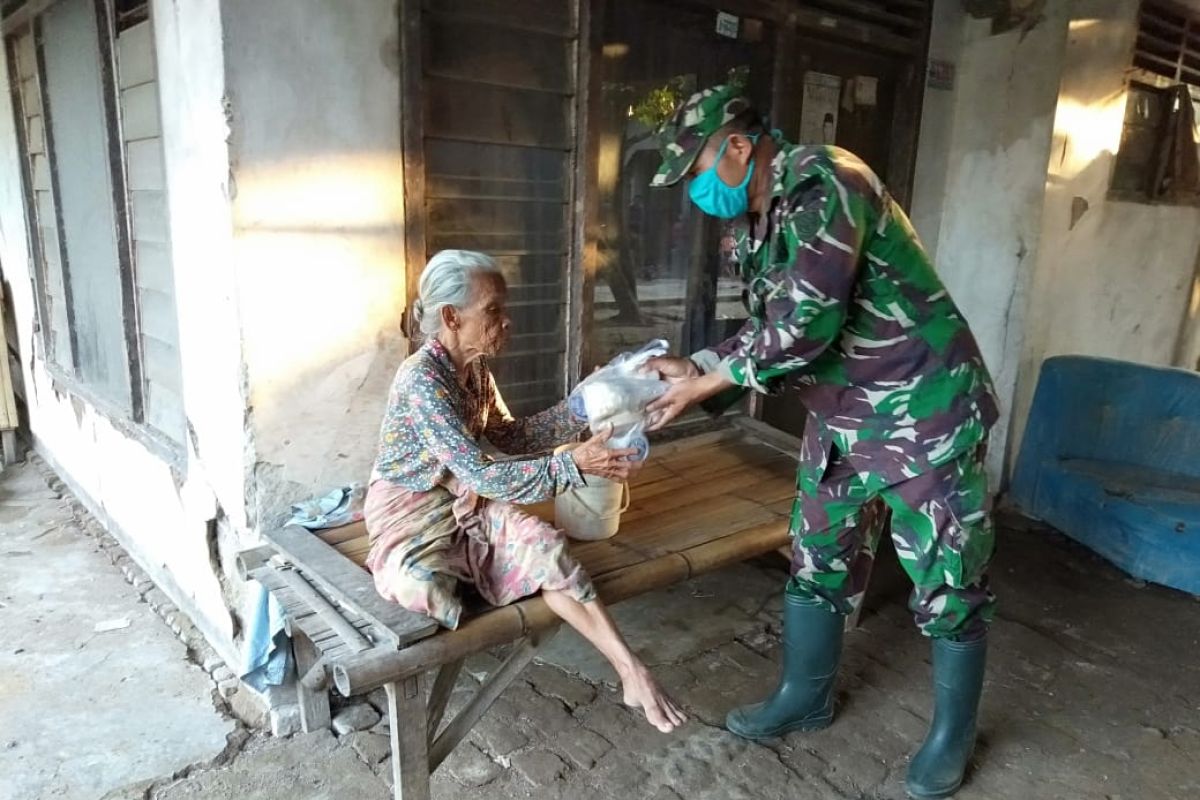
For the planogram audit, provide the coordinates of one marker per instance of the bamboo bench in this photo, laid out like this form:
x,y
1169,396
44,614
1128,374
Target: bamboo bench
x,y
698,505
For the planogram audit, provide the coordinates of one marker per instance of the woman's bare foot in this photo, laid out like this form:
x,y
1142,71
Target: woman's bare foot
x,y
642,691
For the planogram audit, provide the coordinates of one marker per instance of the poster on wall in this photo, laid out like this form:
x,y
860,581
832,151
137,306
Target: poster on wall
x,y
819,108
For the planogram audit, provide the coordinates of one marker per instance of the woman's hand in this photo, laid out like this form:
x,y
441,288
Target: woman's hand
x,y
593,457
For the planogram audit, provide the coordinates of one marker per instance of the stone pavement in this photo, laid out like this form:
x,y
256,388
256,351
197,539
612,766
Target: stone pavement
x,y
1093,692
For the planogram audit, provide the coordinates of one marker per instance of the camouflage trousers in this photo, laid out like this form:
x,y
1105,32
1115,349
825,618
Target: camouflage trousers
x,y
940,524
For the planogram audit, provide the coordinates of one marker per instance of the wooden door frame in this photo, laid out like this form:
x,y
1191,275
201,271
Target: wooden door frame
x,y
412,154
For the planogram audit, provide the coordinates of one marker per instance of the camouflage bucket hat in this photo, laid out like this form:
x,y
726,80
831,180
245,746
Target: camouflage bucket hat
x,y
682,137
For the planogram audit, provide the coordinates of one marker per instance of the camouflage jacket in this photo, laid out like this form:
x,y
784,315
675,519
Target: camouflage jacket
x,y
843,299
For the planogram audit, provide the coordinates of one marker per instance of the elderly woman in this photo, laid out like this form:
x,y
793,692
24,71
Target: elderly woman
x,y
440,512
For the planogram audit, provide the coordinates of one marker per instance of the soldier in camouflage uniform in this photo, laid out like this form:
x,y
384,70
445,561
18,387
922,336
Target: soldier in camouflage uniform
x,y
844,302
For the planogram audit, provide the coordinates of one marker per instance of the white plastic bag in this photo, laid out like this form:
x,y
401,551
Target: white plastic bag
x,y
616,396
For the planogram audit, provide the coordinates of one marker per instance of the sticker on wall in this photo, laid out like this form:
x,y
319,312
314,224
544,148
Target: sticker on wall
x,y
819,108
941,74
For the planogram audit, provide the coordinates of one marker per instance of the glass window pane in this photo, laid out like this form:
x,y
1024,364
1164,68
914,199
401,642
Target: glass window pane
x,y
660,271
80,151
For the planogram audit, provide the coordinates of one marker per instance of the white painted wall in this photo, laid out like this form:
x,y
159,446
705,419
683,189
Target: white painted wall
x,y
318,218
1118,283
163,510
980,179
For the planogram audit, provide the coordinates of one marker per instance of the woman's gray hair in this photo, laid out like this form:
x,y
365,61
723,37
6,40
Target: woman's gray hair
x,y
446,281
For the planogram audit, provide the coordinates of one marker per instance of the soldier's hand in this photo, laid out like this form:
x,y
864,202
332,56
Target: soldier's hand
x,y
683,394
673,369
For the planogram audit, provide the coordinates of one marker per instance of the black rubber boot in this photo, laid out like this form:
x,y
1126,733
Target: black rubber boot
x,y
803,700
937,769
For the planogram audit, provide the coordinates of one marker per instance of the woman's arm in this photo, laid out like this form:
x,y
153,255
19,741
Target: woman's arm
x,y
542,431
444,434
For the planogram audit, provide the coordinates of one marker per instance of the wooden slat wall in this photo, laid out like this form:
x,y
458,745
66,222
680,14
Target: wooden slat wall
x,y
1168,41
158,330
498,143
895,25
45,224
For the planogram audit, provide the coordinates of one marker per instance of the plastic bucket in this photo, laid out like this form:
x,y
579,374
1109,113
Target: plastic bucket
x,y
593,512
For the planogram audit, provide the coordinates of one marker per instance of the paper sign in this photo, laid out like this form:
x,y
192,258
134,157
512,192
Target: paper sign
x,y
727,24
866,90
819,108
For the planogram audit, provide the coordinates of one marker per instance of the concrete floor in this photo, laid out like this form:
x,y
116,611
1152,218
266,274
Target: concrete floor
x,y
1093,692
84,710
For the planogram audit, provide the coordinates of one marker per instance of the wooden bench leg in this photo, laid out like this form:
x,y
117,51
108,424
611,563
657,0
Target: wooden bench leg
x,y
439,696
410,738
496,683
312,696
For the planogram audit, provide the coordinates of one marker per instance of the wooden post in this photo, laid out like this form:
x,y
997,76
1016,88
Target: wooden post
x,y
313,699
9,441
410,741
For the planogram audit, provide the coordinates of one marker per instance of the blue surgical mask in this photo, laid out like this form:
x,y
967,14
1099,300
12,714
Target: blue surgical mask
x,y
715,197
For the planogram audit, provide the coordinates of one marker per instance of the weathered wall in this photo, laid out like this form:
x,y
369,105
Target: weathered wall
x,y
166,511
314,92
947,37
1117,280
980,180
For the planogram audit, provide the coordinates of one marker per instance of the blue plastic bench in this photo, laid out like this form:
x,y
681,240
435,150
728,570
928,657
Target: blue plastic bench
x,y
1111,457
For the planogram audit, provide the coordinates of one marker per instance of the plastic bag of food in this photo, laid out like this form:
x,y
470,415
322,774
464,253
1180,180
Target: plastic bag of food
x,y
616,396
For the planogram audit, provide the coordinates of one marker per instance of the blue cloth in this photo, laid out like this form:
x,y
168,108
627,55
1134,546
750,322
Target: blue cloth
x,y
1110,458
267,656
339,507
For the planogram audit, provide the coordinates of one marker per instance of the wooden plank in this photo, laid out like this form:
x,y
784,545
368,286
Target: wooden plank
x,y
550,16
149,216
349,584
407,721
600,558
145,162
31,98
455,109
139,106
325,610
135,55
162,364
719,518
152,260
314,703
343,533
678,493
473,50
770,435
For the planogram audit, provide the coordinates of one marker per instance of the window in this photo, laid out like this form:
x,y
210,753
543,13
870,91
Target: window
x,y
1157,160
496,134
86,96
659,271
